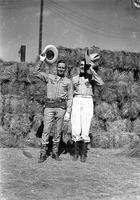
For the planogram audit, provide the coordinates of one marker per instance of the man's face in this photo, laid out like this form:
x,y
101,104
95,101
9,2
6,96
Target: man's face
x,y
82,64
61,68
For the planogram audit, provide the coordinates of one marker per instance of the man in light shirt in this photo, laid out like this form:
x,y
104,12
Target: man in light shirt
x,y
82,108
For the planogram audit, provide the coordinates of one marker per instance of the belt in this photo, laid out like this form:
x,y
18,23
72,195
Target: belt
x,y
83,96
59,100
56,103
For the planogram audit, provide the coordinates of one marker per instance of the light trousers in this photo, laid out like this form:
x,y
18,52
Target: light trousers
x,y
51,114
82,113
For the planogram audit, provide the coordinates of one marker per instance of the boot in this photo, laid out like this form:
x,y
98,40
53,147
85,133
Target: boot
x,y
43,153
83,152
76,151
55,154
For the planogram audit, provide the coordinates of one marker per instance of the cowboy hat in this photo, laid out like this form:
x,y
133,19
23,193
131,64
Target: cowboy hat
x,y
94,57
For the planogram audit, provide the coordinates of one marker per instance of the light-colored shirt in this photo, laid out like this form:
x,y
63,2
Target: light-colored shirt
x,y
84,86
57,87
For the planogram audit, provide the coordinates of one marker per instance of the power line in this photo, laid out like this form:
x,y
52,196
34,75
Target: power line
x,y
78,21
72,16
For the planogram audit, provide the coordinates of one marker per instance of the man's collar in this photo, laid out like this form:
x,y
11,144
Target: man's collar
x,y
81,74
59,77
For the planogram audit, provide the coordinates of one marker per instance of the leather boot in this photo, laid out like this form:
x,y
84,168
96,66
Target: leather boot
x,y
83,152
43,153
55,154
76,151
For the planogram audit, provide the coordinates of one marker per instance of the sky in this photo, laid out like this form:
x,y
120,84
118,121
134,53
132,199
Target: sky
x,y
107,24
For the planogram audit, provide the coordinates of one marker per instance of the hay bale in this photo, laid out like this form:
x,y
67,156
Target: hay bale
x,y
136,127
105,111
133,150
117,126
108,93
37,120
117,131
8,72
6,121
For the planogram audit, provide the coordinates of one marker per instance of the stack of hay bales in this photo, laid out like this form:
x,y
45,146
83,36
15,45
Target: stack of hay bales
x,y
117,103
19,99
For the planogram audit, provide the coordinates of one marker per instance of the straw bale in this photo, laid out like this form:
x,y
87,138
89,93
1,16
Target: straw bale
x,y
25,124
135,91
117,126
115,136
108,59
18,104
121,139
34,107
119,59
105,140
20,124
13,88
37,120
136,127
108,93
105,111
125,110
15,127
6,120
117,131
8,72
134,110
7,108
5,87
23,71
130,109
108,139
107,74
133,149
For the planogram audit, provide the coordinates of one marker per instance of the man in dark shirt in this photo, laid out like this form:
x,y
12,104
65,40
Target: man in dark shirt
x,y
57,107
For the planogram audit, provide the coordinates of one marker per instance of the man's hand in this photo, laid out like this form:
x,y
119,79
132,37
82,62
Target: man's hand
x,y
66,116
42,57
92,65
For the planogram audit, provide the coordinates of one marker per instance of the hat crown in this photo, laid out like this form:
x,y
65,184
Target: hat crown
x,y
94,56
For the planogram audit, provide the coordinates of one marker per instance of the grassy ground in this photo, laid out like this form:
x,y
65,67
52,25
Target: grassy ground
x,y
106,175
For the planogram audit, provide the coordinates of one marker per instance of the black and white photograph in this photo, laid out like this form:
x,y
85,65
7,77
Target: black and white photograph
x,y
70,99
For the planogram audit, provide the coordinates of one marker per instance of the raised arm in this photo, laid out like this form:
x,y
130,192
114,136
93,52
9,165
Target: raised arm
x,y
41,75
96,77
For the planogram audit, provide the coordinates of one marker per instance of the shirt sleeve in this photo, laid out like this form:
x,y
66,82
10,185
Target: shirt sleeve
x,y
70,97
41,75
97,78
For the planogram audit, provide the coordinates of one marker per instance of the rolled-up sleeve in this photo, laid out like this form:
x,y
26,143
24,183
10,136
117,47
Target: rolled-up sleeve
x,y
41,75
70,97
97,79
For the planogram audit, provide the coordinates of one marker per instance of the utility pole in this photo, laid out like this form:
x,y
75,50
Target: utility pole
x,y
40,27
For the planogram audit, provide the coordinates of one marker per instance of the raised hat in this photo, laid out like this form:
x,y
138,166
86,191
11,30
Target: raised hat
x,y
94,56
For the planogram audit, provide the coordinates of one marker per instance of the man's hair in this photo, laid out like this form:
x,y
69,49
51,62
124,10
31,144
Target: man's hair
x,y
61,61
83,59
